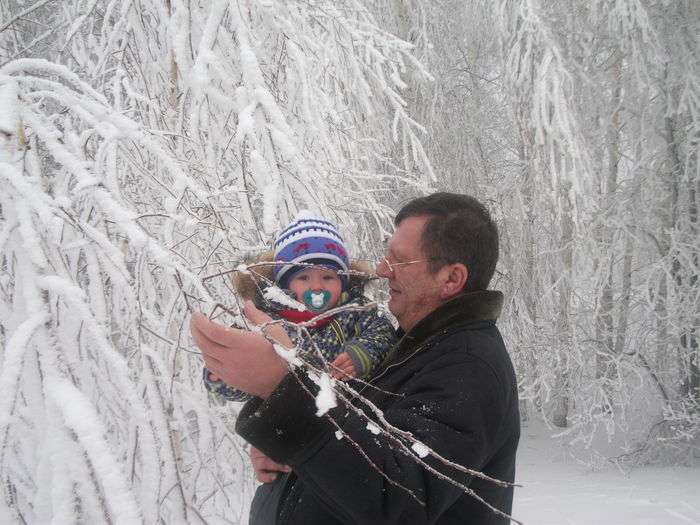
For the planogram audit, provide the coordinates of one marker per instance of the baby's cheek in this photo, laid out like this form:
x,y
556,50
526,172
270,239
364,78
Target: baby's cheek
x,y
333,301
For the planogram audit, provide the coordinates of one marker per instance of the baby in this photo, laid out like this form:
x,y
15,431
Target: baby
x,y
310,263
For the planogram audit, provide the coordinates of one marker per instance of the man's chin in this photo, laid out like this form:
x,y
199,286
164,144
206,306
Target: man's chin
x,y
393,303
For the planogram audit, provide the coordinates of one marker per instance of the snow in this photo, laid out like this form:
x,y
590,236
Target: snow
x,y
81,416
325,399
288,354
420,449
374,429
237,118
273,293
558,490
8,108
12,363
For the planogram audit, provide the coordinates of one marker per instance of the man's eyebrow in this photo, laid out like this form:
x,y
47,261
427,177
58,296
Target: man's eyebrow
x,y
396,255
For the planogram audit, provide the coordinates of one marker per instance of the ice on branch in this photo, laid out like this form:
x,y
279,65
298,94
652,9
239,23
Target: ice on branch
x,y
9,116
420,449
374,429
277,295
288,354
325,399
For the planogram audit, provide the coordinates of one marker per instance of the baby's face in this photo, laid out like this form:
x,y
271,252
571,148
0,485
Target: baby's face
x,y
316,281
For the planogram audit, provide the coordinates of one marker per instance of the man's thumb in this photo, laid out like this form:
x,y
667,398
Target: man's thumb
x,y
253,314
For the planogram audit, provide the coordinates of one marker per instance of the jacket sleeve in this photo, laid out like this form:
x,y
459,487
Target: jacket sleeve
x,y
369,342
221,391
454,408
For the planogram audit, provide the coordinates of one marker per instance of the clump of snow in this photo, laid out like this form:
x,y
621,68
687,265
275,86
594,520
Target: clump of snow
x,y
374,429
288,354
9,120
420,449
276,294
9,116
338,435
325,399
243,268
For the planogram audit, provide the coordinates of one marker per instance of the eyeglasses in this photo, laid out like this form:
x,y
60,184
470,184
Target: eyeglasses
x,y
392,266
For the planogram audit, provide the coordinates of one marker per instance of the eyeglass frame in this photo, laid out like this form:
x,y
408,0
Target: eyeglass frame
x,y
391,266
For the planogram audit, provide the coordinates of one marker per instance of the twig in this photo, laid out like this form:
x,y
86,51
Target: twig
x,y
178,279
23,14
358,447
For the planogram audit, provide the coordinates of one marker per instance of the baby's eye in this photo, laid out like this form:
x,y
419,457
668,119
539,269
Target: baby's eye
x,y
330,277
303,277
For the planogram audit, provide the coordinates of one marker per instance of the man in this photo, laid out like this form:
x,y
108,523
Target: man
x,y
449,382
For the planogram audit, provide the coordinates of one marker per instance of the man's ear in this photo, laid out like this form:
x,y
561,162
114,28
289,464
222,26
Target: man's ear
x,y
455,279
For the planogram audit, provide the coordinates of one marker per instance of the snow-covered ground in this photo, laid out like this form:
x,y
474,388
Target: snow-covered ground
x,y
557,490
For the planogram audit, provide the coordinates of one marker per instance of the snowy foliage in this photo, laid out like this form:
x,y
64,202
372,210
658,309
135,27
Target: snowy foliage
x,y
580,128
147,147
143,147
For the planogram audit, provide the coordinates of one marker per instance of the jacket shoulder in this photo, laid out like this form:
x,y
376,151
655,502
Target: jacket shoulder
x,y
475,342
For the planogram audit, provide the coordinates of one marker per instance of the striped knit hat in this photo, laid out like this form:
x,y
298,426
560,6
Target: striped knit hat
x,y
308,239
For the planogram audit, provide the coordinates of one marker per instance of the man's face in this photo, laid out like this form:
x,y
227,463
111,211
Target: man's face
x,y
414,291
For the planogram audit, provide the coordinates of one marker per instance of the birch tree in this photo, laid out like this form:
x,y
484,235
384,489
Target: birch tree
x,y
145,147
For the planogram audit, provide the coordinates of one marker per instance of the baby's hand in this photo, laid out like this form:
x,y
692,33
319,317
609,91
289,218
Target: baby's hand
x,y
342,367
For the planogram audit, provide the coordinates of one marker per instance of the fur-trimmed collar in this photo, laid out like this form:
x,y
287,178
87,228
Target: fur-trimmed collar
x,y
483,305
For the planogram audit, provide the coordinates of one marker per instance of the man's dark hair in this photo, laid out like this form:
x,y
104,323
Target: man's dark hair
x,y
459,230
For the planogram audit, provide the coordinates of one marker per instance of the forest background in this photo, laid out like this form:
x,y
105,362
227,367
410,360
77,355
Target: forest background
x,y
147,146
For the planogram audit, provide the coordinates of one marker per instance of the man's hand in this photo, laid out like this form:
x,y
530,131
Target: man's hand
x,y
240,358
343,367
276,332
266,470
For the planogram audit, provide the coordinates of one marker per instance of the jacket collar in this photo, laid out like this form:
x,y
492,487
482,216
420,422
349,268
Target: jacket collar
x,y
471,307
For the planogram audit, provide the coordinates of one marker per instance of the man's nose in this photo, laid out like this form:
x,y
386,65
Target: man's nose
x,y
382,269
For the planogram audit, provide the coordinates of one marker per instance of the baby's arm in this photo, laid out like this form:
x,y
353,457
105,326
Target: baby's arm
x,y
221,391
371,341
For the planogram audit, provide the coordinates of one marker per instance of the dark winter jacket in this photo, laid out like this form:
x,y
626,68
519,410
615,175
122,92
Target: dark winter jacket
x,y
449,382
365,335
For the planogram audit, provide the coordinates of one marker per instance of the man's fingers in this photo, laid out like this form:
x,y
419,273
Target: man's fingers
x,y
242,359
215,339
206,346
264,476
275,332
216,368
266,470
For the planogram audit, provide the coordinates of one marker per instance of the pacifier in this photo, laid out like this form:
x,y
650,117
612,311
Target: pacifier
x,y
317,300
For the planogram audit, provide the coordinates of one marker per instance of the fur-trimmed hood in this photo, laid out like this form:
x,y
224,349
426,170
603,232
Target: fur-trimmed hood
x,y
249,284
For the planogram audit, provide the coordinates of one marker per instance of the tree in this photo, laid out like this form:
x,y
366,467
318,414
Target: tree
x,y
153,144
